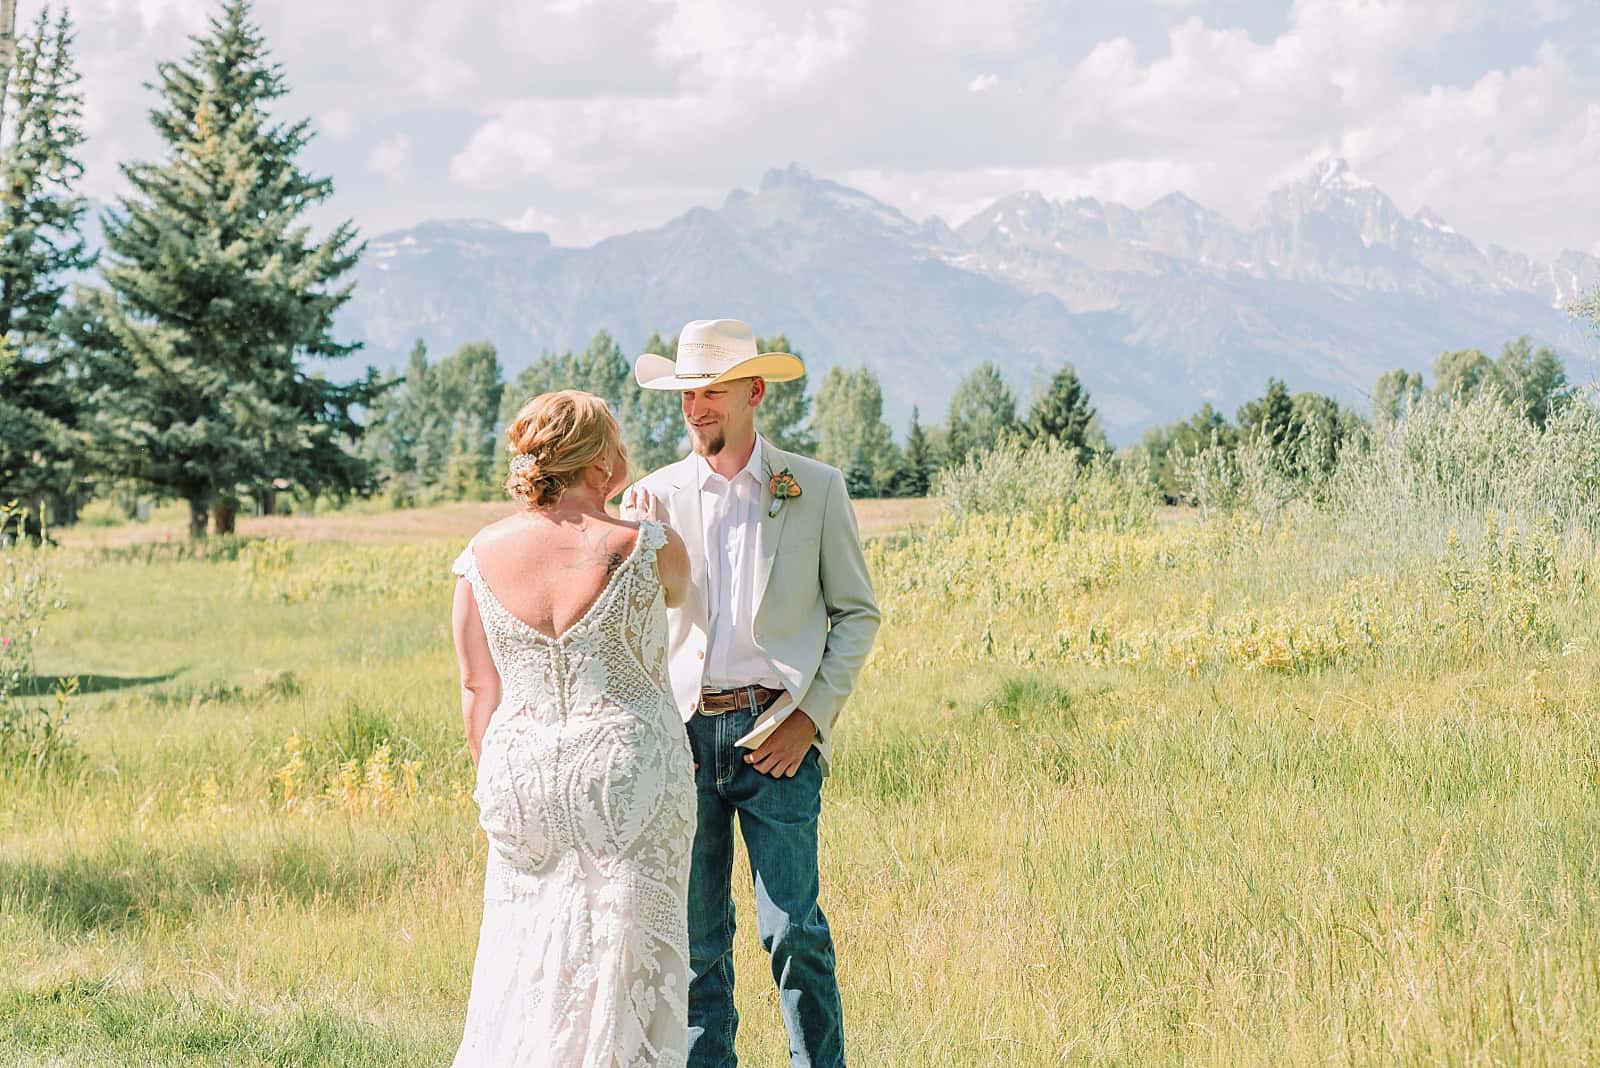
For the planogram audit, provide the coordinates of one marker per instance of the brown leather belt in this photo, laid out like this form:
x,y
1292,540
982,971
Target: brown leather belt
x,y
716,702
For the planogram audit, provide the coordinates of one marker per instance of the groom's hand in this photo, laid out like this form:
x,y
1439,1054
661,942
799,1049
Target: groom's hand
x,y
785,748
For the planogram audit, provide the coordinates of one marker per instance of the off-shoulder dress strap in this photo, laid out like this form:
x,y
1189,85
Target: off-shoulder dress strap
x,y
466,564
652,534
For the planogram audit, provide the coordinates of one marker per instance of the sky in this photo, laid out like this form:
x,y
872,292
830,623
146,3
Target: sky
x,y
587,118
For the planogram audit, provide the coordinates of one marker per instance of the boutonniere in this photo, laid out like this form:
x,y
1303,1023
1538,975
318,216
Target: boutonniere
x,y
782,486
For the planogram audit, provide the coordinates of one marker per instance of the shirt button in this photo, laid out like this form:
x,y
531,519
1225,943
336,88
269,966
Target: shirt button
x,y
701,653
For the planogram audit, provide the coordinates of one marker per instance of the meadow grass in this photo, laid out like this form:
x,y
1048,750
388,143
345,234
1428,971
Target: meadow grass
x,y
1111,791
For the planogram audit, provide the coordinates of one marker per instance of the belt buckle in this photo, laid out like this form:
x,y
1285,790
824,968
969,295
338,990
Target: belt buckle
x,y
749,697
704,711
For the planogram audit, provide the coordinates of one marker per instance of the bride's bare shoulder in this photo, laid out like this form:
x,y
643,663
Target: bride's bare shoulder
x,y
501,531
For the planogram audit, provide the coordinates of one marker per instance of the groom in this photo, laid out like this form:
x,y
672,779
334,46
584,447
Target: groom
x,y
763,654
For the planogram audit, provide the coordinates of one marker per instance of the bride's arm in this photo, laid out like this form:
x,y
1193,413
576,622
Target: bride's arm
x,y
480,682
672,562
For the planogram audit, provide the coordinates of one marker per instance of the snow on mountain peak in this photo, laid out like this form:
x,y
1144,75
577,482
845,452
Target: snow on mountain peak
x,y
1429,219
1335,173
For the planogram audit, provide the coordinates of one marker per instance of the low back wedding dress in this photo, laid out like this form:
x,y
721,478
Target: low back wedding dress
x,y
585,789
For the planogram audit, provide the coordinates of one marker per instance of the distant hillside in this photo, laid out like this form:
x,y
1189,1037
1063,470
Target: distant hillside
x,y
1160,308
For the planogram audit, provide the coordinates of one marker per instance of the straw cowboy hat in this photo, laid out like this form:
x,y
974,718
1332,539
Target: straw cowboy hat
x,y
712,351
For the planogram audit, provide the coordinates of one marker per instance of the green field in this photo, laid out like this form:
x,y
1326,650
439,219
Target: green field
x,y
1303,788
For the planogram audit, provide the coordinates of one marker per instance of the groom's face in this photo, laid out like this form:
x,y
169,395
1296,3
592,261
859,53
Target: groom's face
x,y
723,413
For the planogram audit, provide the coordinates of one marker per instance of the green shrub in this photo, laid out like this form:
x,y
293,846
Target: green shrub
x,y
27,595
35,739
1045,478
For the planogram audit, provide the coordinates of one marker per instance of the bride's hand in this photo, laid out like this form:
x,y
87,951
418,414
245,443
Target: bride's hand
x,y
640,503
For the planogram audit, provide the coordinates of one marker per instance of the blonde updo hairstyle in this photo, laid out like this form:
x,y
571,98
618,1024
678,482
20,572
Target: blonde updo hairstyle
x,y
563,434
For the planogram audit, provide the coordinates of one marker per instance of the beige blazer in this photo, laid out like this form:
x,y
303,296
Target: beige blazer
x,y
817,615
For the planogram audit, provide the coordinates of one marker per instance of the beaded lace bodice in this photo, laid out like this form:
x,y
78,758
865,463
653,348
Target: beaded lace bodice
x,y
585,792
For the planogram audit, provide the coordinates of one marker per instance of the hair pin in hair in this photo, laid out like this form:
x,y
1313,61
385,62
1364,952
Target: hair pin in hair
x,y
522,461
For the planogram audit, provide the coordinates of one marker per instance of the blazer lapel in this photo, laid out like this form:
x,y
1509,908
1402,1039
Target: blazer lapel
x,y
685,511
771,528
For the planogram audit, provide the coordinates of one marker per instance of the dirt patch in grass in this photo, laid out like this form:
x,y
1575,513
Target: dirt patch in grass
x,y
439,523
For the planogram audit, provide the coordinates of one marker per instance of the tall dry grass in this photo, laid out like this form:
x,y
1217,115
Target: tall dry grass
x,y
1307,784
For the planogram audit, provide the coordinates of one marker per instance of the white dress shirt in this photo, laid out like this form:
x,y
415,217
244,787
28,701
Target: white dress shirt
x,y
730,517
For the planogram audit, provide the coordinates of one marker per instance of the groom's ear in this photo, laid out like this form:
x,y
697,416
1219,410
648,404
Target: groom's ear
x,y
758,390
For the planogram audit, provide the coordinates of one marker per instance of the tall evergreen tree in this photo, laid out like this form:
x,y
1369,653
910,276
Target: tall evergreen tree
x,y
982,410
652,418
603,370
919,461
1270,416
1320,428
785,411
851,433
434,434
216,294
393,422
40,244
550,371
466,390
1064,414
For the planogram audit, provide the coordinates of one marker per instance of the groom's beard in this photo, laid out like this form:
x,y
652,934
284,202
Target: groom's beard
x,y
709,442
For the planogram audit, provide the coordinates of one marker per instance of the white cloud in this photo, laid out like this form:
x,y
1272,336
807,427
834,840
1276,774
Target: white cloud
x,y
390,157
733,59
734,44
338,123
612,114
532,220
503,149
1225,117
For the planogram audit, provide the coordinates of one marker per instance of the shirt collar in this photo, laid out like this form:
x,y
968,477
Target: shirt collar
x,y
755,467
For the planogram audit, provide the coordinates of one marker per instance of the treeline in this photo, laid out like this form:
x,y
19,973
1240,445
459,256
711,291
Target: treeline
x,y
1301,435
436,431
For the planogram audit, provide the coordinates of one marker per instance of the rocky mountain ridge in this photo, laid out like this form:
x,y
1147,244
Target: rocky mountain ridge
x,y
1160,308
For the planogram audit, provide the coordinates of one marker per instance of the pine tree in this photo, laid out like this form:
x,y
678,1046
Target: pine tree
x,y
919,461
465,394
40,244
215,294
389,441
603,370
549,372
982,410
434,434
782,417
1064,414
1269,417
652,418
1321,427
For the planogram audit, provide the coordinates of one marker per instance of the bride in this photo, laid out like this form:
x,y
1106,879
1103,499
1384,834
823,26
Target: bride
x,y
584,782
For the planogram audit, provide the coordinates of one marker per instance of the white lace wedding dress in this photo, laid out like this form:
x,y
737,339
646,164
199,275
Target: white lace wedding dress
x,y
586,792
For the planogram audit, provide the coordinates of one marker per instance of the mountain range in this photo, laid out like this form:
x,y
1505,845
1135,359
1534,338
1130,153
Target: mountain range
x,y
1160,309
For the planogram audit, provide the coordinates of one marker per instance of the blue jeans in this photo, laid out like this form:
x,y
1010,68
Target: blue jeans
x,y
778,819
